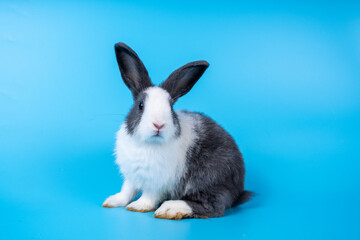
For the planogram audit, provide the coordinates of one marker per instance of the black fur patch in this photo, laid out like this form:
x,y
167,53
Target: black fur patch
x,y
134,117
176,122
215,173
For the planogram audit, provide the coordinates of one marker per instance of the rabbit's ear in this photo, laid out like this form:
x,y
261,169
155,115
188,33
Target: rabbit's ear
x,y
183,79
133,71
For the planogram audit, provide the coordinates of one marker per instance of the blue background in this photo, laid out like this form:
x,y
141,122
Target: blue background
x,y
284,80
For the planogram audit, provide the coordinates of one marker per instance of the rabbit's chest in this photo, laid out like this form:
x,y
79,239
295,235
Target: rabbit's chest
x,y
150,167
146,167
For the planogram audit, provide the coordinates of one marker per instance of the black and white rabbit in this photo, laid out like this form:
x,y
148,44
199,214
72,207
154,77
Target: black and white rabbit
x,y
182,160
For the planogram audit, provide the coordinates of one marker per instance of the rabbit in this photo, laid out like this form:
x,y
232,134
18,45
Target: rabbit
x,y
182,161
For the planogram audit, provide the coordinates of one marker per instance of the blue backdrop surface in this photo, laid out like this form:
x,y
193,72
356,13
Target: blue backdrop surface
x,y
284,80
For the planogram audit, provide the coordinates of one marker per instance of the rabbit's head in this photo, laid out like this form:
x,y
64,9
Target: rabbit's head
x,y
152,118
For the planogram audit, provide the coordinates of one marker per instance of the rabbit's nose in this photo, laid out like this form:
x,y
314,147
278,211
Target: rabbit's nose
x,y
158,127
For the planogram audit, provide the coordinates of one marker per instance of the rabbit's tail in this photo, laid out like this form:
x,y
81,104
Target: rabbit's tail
x,y
244,197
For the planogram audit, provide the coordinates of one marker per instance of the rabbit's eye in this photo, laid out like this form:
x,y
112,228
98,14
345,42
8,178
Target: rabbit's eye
x,y
141,105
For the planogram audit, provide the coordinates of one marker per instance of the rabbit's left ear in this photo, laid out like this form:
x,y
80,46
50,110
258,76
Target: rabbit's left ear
x,y
132,69
183,79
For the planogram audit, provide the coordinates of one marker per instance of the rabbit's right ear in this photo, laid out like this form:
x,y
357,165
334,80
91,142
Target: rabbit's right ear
x,y
133,71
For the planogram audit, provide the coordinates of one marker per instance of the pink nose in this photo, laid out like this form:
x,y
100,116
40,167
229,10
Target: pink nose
x,y
158,127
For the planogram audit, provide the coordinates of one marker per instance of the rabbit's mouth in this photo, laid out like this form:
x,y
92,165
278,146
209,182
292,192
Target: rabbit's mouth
x,y
157,137
157,134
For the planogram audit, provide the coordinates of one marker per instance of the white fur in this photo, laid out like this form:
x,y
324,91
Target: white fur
x,y
155,167
121,199
156,110
146,202
172,207
151,166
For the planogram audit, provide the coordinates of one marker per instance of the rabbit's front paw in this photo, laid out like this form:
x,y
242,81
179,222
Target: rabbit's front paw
x,y
142,205
117,200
